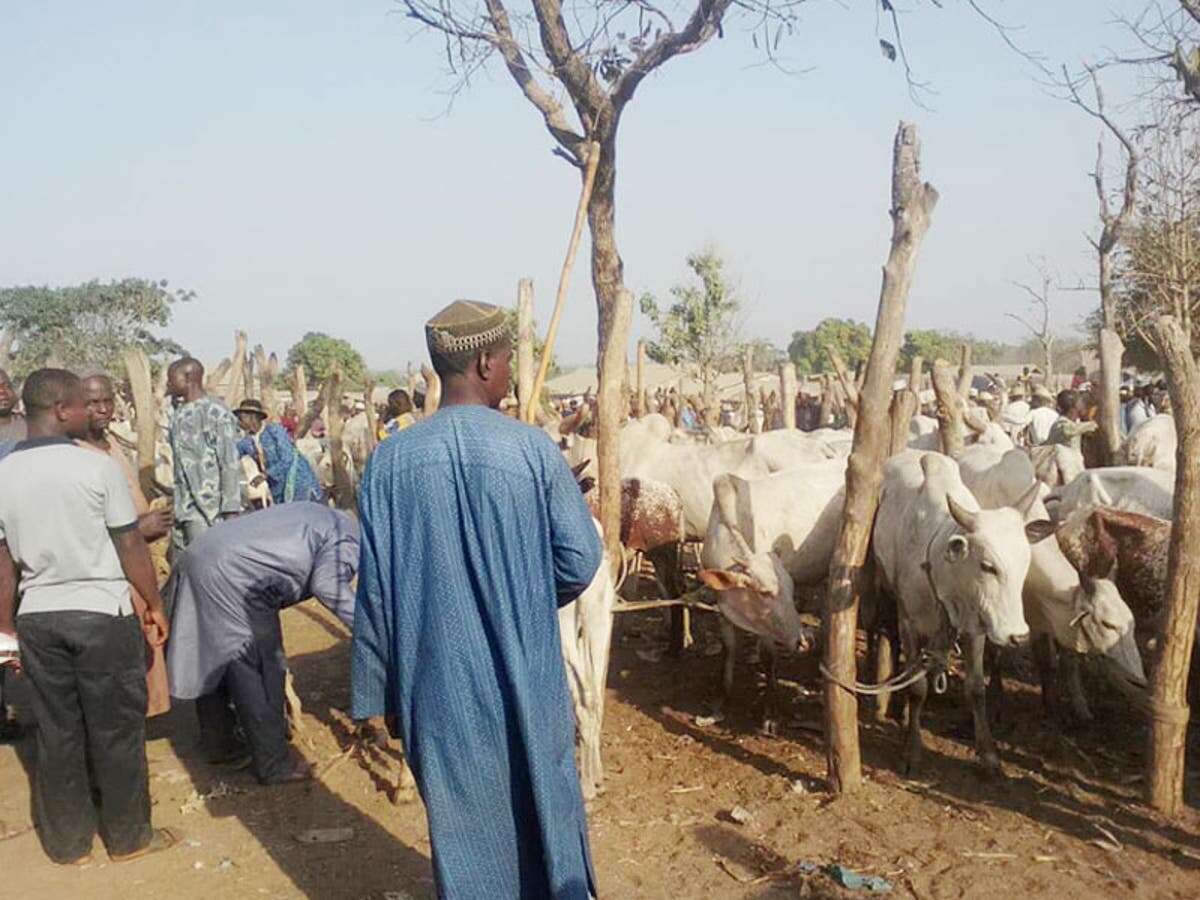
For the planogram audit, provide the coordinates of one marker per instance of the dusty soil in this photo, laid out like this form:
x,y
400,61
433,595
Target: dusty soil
x,y
1066,822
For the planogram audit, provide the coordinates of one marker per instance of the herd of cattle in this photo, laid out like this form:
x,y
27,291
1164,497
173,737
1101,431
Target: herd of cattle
x,y
1001,545
1004,545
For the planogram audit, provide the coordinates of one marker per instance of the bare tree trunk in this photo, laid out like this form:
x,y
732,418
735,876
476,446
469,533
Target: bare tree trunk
x,y
965,372
642,407
268,370
310,412
849,386
1111,350
214,381
300,393
372,416
904,406
433,390
787,393
949,409
343,485
752,422
1168,680
137,367
235,387
525,349
912,204
826,414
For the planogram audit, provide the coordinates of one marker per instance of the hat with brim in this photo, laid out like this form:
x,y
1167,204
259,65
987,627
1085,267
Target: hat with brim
x,y
466,326
253,407
1042,392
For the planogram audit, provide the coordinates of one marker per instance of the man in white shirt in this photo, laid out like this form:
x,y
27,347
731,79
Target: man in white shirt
x,y
69,542
1043,416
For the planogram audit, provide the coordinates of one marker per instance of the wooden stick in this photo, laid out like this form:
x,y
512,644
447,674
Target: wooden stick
x,y
564,278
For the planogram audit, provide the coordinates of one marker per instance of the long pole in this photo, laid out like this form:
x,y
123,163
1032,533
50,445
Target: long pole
x,y
564,278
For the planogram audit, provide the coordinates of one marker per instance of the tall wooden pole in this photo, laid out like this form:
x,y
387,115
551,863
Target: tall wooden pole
x,y
564,279
787,393
525,349
1169,675
235,387
753,422
965,373
912,204
145,405
642,407
949,409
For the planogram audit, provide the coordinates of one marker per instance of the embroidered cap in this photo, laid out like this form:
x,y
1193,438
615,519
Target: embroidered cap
x,y
466,325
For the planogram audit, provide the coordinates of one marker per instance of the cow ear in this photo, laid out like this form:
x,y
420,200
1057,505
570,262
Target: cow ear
x,y
722,579
957,548
1039,530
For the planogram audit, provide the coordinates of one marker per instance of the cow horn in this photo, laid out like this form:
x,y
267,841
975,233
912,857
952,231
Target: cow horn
x,y
1025,501
966,519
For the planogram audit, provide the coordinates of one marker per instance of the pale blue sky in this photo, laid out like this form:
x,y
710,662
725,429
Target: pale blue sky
x,y
289,162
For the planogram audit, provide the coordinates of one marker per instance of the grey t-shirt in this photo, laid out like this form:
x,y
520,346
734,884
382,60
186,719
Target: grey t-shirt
x,y
59,507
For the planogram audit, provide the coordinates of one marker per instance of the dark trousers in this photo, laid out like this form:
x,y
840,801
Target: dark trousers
x,y
254,682
88,674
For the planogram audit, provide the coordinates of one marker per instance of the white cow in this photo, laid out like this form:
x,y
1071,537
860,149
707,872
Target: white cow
x,y
765,536
1152,443
1150,492
953,569
1081,614
1056,464
585,629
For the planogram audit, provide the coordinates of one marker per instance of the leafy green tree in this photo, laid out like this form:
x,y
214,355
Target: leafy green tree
x,y
699,328
319,354
767,356
852,341
88,325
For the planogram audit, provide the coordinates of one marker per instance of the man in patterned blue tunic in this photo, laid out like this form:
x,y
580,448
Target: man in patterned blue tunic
x,y
473,534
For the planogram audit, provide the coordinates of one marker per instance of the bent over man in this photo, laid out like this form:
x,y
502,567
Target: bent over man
x,y
226,592
474,533
68,534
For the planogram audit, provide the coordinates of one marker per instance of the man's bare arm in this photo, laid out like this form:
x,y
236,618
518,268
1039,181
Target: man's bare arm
x,y
8,590
139,572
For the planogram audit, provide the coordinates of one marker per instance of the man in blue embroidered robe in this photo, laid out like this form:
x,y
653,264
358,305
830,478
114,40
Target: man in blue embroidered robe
x,y
474,532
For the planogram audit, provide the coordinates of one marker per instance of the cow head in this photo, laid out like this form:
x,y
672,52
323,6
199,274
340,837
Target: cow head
x,y
981,569
756,594
1105,625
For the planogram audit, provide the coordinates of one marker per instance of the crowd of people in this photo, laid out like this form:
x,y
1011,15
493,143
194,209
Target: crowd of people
x,y
471,533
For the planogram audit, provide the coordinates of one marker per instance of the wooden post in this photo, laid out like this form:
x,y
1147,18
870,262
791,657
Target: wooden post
x,y
949,409
912,203
642,406
137,367
1112,348
525,349
1169,675
433,389
752,423
904,406
787,394
300,392
825,418
611,365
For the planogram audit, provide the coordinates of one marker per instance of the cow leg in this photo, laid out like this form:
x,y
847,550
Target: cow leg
x,y
917,692
1074,675
668,572
729,642
769,720
995,659
882,651
1045,656
976,688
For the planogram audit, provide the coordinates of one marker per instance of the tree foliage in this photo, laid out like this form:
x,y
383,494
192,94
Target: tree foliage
x,y
700,327
852,341
319,354
767,356
88,326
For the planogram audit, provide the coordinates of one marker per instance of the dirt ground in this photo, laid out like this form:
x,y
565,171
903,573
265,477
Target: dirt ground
x,y
1065,822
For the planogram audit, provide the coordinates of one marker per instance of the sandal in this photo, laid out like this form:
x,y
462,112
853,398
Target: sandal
x,y
84,860
162,839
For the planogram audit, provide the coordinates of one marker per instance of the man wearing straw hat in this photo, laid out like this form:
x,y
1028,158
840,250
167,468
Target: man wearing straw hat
x,y
474,532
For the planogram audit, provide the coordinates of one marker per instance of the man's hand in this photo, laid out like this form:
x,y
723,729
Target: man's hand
x,y
155,627
156,524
